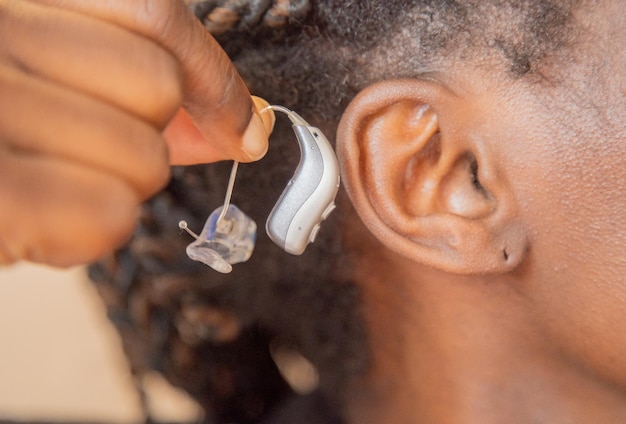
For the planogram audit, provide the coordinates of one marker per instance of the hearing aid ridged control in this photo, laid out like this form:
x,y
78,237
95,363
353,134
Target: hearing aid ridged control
x,y
229,235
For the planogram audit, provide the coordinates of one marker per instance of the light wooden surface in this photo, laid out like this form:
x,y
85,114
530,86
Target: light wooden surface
x,y
61,360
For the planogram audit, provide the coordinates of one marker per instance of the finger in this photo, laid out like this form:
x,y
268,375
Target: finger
x,y
187,145
94,57
60,213
215,95
44,119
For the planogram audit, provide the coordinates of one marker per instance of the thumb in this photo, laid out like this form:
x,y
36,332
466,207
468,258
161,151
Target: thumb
x,y
187,145
220,116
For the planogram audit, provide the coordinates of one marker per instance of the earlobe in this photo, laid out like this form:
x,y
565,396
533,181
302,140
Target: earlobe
x,y
415,179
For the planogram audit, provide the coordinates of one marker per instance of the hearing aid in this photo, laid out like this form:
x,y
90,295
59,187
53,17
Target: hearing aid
x,y
229,235
309,197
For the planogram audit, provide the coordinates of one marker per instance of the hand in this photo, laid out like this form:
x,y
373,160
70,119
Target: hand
x,y
86,90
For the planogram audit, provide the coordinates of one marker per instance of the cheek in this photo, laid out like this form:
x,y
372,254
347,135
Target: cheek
x,y
584,208
573,194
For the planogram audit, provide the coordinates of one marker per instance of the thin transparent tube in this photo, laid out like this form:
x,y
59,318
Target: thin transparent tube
x,y
233,172
229,190
293,116
278,108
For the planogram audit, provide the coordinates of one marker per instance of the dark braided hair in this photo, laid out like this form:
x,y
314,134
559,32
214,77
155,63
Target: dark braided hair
x,y
210,333
329,50
223,16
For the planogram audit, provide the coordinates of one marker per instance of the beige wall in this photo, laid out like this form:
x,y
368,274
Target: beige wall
x,y
60,359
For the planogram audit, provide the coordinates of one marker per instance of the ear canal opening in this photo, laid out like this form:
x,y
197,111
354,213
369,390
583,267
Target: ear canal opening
x,y
461,191
473,167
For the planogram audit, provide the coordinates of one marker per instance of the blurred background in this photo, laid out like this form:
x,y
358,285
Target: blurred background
x,y
60,359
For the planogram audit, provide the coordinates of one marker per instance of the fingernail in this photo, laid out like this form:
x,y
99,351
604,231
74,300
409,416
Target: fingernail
x,y
255,139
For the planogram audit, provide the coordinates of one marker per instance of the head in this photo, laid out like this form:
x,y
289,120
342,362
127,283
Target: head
x,y
483,161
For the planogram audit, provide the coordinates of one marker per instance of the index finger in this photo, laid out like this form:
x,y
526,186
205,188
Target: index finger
x,y
216,97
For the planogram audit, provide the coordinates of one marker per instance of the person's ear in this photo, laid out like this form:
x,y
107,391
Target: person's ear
x,y
423,184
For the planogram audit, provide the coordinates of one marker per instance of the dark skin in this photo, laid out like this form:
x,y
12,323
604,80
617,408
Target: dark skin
x,y
494,272
82,146
489,243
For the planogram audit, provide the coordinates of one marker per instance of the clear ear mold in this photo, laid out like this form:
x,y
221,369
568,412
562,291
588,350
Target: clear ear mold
x,y
224,241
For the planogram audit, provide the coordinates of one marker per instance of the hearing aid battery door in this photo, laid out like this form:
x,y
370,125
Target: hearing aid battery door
x,y
309,197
